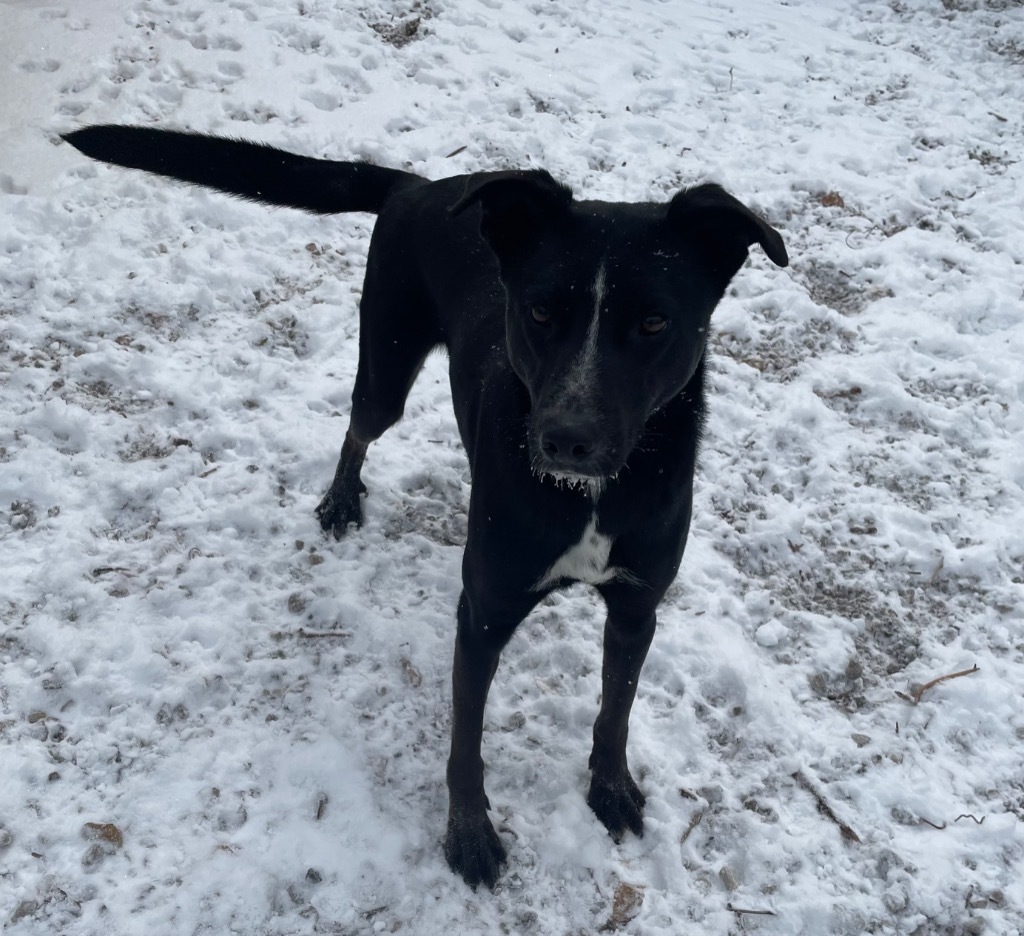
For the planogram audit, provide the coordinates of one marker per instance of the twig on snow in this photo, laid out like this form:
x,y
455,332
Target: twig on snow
x,y
694,822
923,821
914,697
325,633
729,906
823,807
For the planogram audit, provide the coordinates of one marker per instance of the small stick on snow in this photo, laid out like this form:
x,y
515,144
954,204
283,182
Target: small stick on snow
x,y
922,820
694,822
823,807
915,696
307,633
729,906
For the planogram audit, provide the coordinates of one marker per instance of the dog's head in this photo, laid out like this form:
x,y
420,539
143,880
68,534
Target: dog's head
x,y
608,305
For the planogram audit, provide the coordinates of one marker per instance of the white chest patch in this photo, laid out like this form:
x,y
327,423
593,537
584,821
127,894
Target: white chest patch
x,y
586,561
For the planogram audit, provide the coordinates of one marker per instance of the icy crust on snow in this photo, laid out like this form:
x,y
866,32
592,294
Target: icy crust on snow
x,y
213,719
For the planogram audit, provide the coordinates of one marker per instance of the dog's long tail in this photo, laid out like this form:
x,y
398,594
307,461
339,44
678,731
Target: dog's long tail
x,y
251,170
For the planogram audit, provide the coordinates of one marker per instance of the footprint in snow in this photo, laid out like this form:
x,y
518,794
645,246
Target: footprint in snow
x,y
322,100
219,43
39,65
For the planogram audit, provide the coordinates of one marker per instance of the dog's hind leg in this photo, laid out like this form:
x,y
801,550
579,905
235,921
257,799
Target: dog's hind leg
x,y
395,337
614,796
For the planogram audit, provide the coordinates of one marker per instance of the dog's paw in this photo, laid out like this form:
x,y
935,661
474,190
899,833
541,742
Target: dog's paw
x,y
618,803
473,850
340,508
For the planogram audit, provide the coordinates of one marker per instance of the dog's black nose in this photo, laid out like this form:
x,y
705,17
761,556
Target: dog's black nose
x,y
568,444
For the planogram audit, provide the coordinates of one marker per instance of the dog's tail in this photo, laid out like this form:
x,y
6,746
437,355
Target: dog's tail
x,y
251,170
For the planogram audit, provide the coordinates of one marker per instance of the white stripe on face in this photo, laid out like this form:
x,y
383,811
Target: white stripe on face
x,y
583,372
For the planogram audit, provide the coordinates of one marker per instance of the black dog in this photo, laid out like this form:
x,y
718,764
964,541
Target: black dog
x,y
577,335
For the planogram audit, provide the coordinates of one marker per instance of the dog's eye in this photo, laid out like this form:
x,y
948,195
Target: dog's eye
x,y
540,315
653,324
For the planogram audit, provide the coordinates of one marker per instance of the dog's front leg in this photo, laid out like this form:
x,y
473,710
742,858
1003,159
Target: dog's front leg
x,y
340,505
472,847
614,796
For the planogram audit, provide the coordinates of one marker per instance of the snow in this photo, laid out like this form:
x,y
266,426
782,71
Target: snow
x,y
255,717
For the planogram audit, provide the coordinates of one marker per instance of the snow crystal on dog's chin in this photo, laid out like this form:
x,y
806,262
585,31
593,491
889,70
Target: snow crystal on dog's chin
x,y
585,484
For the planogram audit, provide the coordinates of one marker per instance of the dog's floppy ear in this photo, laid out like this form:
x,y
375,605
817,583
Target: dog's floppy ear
x,y
514,204
724,227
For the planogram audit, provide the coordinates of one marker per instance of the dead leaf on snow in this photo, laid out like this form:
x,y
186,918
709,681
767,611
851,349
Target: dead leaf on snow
x,y
105,831
626,905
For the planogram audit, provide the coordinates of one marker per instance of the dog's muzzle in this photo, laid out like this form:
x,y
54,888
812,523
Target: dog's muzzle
x,y
575,450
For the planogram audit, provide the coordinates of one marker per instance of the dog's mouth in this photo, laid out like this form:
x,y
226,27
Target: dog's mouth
x,y
592,485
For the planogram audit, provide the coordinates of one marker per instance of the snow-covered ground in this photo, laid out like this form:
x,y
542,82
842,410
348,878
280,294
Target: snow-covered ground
x,y
215,720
